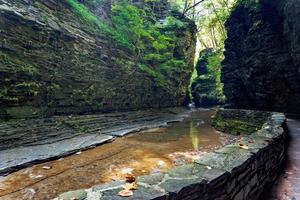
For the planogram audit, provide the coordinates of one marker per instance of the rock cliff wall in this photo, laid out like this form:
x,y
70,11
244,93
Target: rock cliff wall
x,y
51,63
262,58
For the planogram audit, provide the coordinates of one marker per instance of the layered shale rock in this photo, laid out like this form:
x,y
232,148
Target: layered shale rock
x,y
51,63
262,57
27,142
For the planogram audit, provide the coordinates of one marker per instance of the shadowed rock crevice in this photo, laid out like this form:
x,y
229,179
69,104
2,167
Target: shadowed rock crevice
x,y
261,66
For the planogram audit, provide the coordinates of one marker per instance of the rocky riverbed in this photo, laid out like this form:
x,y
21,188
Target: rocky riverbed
x,y
27,142
140,153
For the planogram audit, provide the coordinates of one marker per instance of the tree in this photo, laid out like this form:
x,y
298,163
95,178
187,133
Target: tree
x,y
188,6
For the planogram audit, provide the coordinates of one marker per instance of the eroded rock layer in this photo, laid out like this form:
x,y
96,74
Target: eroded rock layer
x,y
52,63
262,57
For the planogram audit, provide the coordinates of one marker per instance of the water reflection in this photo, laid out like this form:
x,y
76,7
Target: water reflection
x,y
194,137
138,154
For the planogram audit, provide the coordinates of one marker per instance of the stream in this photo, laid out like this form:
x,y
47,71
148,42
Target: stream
x,y
140,153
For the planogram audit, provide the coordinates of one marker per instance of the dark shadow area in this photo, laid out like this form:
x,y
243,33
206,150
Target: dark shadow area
x,y
285,186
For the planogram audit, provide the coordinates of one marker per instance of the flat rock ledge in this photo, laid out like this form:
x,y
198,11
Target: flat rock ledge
x,y
27,142
233,172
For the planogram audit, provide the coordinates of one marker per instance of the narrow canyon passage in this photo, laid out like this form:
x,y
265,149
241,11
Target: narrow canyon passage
x,y
149,99
288,185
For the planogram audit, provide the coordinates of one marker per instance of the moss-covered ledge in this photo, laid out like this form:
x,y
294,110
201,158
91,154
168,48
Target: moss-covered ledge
x,y
238,171
238,122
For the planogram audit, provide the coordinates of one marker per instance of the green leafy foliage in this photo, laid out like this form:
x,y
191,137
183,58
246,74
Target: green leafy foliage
x,y
98,26
207,88
85,14
214,72
152,43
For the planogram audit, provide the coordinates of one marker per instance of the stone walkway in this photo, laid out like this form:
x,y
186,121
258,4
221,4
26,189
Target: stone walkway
x,y
288,185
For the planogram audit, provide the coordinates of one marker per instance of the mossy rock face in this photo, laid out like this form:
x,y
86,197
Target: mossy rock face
x,y
55,64
206,87
239,121
24,112
3,115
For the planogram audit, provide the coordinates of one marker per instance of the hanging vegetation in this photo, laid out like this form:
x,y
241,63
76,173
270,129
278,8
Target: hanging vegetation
x,y
153,44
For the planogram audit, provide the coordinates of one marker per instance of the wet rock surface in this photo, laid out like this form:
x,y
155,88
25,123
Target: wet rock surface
x,y
238,171
32,141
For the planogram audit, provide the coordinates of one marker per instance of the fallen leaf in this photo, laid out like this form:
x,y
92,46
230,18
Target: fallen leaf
x,y
35,176
244,147
208,167
46,167
125,193
130,179
130,186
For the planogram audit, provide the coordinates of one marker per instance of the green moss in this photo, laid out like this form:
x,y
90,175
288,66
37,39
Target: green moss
x,y
45,18
207,88
4,95
97,25
85,14
14,65
29,87
238,121
84,97
21,81
235,127
159,78
24,112
152,44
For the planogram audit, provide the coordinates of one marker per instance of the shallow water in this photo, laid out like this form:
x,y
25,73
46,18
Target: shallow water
x,y
137,154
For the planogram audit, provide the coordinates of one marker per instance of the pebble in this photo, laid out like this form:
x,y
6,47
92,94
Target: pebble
x,y
46,167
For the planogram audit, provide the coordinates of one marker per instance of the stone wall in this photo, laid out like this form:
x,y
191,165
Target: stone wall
x,y
239,122
262,56
238,171
53,63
